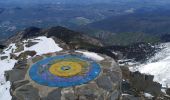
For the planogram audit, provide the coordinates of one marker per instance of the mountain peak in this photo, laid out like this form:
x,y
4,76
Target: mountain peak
x,y
72,38
31,31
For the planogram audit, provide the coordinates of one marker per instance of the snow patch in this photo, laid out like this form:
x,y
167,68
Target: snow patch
x,y
148,95
91,55
159,66
10,49
6,64
44,45
4,91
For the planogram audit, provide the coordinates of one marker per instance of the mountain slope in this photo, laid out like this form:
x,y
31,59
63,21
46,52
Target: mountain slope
x,y
150,22
158,66
71,38
32,45
40,43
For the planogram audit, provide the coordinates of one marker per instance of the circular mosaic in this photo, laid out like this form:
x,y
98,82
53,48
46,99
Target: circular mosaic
x,y
65,68
64,71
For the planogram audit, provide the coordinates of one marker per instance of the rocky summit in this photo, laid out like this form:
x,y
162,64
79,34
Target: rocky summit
x,y
42,64
105,86
47,66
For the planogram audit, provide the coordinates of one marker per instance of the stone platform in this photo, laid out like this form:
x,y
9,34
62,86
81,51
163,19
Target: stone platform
x,y
104,85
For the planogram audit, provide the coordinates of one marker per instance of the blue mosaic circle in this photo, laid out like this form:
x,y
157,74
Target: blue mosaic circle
x,y
39,72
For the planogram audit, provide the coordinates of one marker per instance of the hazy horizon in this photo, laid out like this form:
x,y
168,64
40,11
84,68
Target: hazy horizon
x,y
79,1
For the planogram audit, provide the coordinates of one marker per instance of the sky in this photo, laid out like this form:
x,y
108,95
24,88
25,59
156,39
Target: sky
x,y
33,2
76,1
52,1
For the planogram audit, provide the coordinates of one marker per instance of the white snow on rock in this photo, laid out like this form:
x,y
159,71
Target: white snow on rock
x,y
91,55
4,91
44,45
6,64
10,49
149,96
5,86
159,66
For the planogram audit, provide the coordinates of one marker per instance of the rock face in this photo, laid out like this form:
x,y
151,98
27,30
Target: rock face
x,y
107,86
2,46
140,52
105,83
136,83
54,95
27,92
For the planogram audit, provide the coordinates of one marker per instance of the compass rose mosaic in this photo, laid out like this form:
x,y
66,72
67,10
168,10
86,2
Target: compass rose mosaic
x,y
64,71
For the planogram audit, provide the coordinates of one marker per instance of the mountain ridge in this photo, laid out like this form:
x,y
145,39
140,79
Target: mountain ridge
x,y
149,22
74,39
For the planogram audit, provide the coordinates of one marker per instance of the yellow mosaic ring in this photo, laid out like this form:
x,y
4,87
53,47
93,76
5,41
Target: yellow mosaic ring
x,y
65,69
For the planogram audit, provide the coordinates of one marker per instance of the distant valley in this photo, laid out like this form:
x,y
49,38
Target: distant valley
x,y
16,18
110,22
140,26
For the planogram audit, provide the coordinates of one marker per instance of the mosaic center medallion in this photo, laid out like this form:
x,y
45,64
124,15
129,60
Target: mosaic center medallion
x,y
64,71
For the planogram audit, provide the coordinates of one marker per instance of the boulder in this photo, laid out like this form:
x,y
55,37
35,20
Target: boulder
x,y
114,95
25,54
54,95
131,97
105,83
21,64
30,43
3,57
15,75
27,92
18,84
168,91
